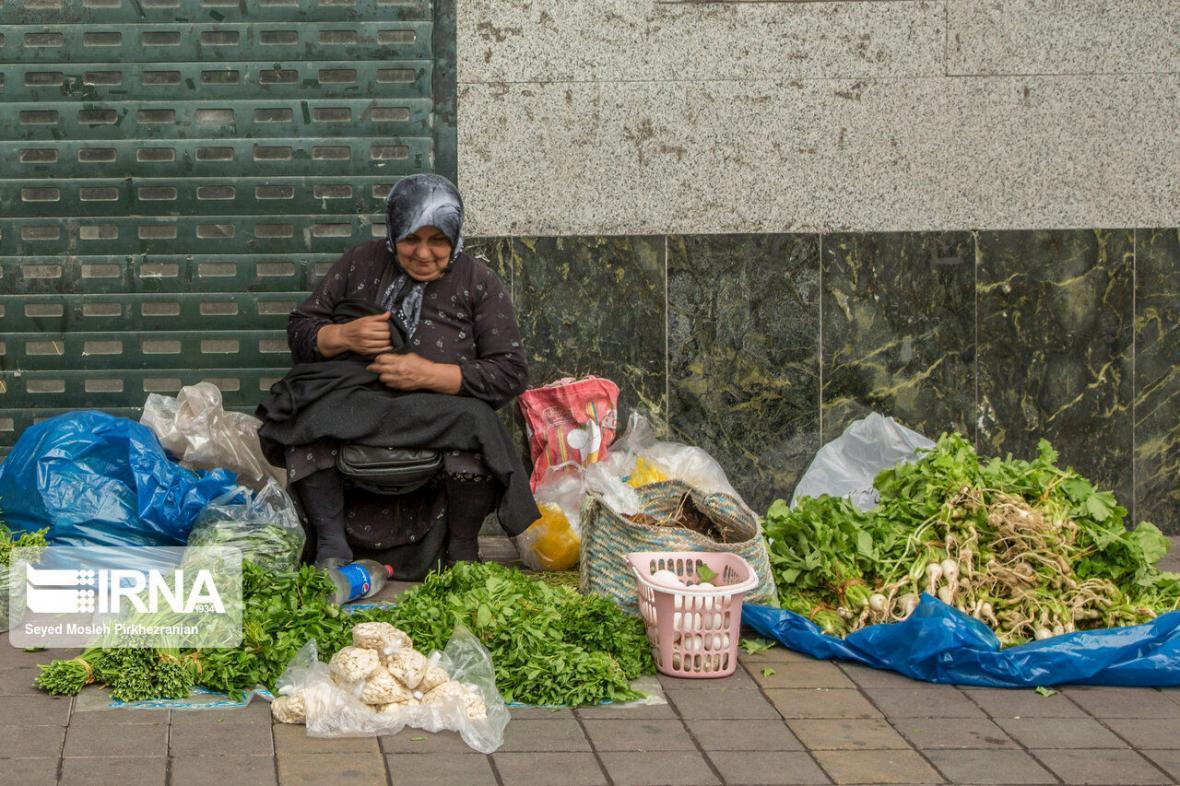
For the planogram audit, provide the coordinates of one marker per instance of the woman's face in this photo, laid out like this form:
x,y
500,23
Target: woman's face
x,y
425,254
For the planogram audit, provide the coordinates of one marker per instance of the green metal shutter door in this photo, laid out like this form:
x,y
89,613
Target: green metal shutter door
x,y
176,174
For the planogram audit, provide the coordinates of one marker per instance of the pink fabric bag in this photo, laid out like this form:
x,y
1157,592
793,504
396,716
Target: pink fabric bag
x,y
569,421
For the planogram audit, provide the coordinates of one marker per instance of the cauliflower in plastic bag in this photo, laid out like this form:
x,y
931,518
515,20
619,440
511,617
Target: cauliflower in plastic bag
x,y
289,709
383,688
380,636
332,706
354,664
408,665
467,696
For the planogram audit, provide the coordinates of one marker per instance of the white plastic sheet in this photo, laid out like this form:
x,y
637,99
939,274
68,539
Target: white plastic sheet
x,y
846,466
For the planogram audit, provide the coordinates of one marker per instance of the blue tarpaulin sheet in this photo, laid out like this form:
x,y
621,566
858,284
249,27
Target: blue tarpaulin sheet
x,y
95,479
939,643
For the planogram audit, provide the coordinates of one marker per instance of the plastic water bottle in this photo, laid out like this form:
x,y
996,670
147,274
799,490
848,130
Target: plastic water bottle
x,y
357,580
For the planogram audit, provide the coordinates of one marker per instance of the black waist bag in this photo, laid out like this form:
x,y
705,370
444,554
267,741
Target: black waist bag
x,y
388,470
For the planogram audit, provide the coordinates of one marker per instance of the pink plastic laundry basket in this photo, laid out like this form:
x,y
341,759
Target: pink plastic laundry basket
x,y
693,632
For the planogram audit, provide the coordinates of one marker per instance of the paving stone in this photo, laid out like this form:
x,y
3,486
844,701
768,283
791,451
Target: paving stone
x,y
119,717
642,712
933,733
764,767
230,737
1109,768
987,767
739,679
125,771
775,654
938,702
894,766
557,734
29,772
221,770
1013,703
821,703
878,678
30,742
14,658
641,735
418,741
1169,760
673,769
721,704
1124,702
802,675
290,738
124,739
316,769
48,710
1147,734
256,712
743,735
420,769
1060,733
542,769
847,734
19,681
539,713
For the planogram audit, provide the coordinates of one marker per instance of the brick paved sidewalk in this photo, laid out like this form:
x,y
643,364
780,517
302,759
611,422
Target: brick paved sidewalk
x,y
782,719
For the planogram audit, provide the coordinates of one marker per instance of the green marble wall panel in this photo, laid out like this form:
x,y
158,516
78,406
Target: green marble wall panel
x,y
1157,377
1055,336
593,305
743,316
899,330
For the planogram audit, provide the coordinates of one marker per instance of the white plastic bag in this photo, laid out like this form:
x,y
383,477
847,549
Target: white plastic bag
x,y
265,526
846,466
195,428
334,712
686,463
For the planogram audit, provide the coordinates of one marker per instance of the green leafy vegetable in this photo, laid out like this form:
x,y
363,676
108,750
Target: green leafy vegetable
x,y
767,671
756,645
1046,692
1029,548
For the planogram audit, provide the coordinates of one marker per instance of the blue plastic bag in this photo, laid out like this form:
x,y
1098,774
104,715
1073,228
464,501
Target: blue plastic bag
x,y
939,643
95,479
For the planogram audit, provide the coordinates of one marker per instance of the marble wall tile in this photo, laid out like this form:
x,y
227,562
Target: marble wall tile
x,y
899,330
595,305
1157,377
1055,333
743,316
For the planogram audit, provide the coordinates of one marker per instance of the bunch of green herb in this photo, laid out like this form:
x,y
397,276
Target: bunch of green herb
x,y
273,547
1029,548
132,674
549,645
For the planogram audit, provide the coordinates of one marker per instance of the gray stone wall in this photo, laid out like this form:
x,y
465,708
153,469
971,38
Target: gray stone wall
x,y
640,117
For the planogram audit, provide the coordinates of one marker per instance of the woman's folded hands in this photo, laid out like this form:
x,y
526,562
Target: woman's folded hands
x,y
414,372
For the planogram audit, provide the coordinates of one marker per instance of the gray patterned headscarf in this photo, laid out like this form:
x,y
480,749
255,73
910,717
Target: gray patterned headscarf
x,y
415,202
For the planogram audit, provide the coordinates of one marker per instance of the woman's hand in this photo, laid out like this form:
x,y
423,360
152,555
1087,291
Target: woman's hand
x,y
367,336
414,372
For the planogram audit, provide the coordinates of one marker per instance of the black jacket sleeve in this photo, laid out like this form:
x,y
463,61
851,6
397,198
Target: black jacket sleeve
x,y
309,316
500,372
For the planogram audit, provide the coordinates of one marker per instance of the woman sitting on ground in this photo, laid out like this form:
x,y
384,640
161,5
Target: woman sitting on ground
x,y
452,324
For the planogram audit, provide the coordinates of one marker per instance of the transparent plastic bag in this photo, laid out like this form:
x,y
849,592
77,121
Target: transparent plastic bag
x,y
264,526
332,711
638,450
195,428
554,541
846,466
